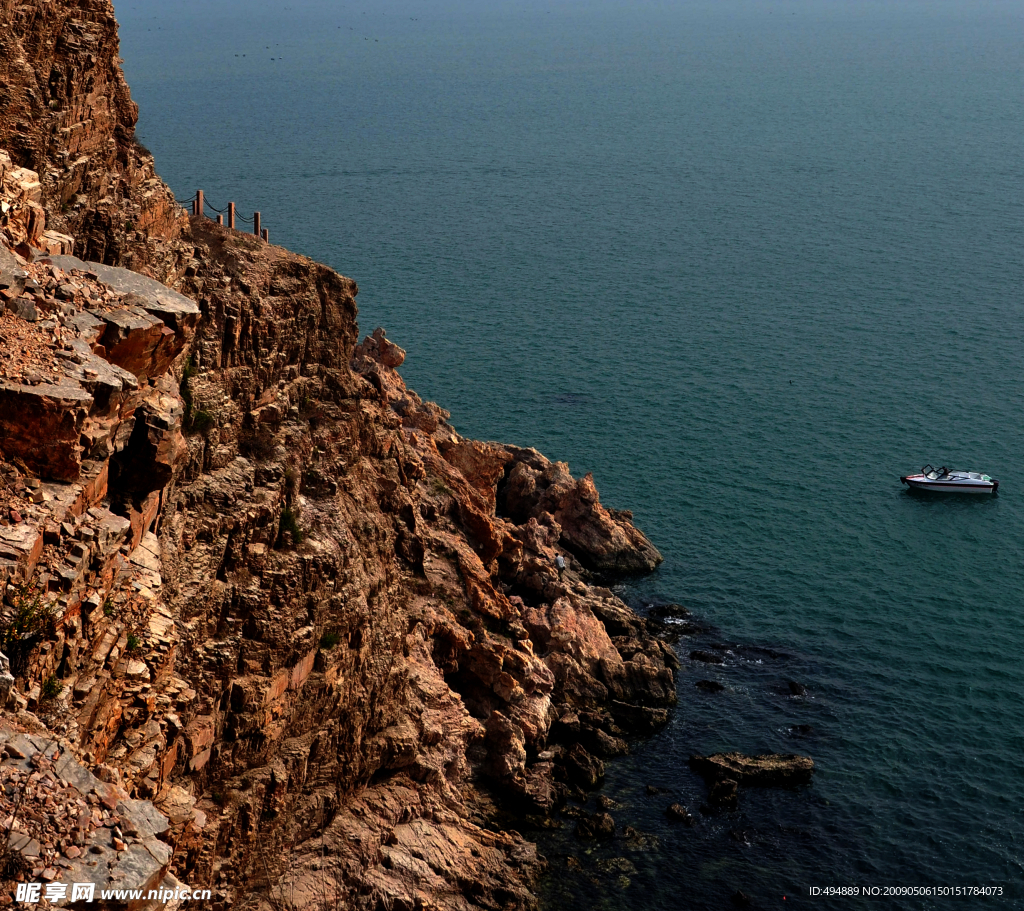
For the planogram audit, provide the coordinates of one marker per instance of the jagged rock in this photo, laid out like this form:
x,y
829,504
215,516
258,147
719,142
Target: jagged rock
x,y
639,719
22,218
582,768
68,116
24,308
600,825
602,540
379,348
6,681
42,425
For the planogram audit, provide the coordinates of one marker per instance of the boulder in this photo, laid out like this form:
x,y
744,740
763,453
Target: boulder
x,y
42,425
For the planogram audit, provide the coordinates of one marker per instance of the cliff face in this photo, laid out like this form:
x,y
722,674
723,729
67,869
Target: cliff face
x,y
252,580
66,113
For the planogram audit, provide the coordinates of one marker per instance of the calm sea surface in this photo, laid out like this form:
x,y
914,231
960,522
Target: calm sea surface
x,y
748,263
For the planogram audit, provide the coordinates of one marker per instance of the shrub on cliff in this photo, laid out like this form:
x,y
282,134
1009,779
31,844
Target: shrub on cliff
x,y
30,619
290,525
195,420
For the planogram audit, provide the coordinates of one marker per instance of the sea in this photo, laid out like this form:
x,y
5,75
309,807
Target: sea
x,y
748,262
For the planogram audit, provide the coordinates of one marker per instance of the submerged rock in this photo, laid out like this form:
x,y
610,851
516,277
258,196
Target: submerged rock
x,y
724,793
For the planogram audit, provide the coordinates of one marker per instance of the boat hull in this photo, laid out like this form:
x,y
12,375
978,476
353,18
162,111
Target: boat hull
x,y
919,483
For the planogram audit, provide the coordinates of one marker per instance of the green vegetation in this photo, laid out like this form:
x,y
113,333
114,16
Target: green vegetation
x,y
133,643
329,639
195,420
200,422
32,618
290,524
52,687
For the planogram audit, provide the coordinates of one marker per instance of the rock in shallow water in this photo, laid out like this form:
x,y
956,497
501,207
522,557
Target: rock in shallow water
x,y
724,793
766,770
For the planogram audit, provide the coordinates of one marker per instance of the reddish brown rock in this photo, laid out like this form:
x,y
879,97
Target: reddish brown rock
x,y
603,540
22,219
42,426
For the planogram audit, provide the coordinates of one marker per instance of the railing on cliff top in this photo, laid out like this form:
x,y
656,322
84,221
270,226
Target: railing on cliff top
x,y
200,205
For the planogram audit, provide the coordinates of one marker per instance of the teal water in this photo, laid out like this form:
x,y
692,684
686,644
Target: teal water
x,y
748,262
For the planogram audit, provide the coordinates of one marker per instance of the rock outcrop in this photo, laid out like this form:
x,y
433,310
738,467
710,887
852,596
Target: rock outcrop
x,y
252,579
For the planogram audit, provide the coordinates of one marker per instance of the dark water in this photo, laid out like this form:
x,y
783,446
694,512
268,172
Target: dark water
x,y
748,262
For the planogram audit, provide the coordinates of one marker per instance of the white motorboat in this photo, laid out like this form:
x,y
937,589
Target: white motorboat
x,y
950,480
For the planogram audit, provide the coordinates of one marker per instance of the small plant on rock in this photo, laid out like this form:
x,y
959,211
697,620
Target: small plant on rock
x,y
200,421
329,639
30,620
52,687
290,524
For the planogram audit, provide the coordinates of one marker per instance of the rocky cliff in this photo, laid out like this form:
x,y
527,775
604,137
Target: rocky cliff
x,y
66,113
316,637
